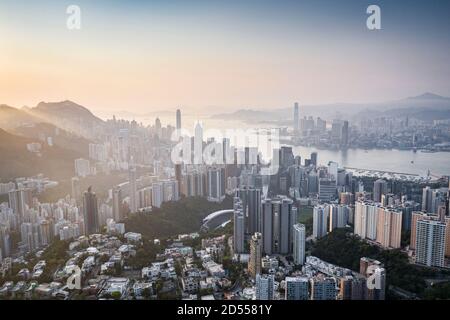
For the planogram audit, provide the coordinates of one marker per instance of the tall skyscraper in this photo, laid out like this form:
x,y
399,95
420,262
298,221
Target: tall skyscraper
x,y
338,216
216,184
366,219
418,216
90,212
323,288
170,190
320,221
117,204
194,184
438,199
198,144
29,233
389,228
157,194
321,125
144,199
179,177
345,288
278,218
46,233
430,243
286,156
344,134
299,244
314,159
447,236
297,288
296,118
251,207
415,217
313,182
336,131
227,152
375,275
379,188
5,241
19,201
408,207
133,190
254,263
448,199
297,177
352,287
178,119
265,287
307,124
432,199
427,193
158,128
333,170
327,189
239,227
76,191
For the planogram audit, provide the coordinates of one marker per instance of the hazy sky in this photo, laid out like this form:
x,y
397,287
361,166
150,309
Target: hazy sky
x,y
143,56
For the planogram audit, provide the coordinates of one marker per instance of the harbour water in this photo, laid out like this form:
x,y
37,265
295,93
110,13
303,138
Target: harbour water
x,y
402,161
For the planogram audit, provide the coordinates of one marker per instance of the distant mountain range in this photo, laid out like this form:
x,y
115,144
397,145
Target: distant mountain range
x,y
427,106
429,96
66,115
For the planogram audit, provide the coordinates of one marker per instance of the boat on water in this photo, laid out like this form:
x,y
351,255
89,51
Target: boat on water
x,y
428,151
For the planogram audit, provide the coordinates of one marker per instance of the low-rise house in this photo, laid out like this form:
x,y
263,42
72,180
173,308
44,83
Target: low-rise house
x,y
179,251
30,289
24,274
92,250
37,274
127,250
107,267
268,263
139,288
61,294
88,264
208,283
190,284
18,288
6,288
39,266
168,273
151,273
44,289
113,285
117,259
74,245
133,237
194,272
214,269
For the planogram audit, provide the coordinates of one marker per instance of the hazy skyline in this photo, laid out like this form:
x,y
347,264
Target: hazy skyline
x,y
149,56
